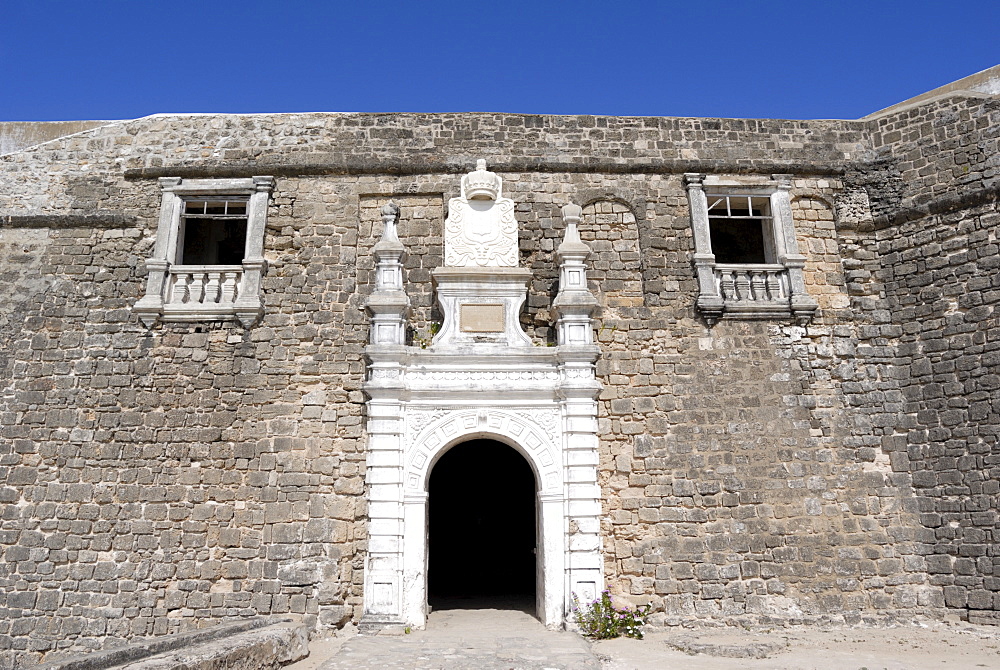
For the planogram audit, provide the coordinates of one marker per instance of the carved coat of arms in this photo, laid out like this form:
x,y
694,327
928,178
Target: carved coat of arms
x,y
481,230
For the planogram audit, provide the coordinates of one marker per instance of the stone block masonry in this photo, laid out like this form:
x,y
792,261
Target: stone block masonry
x,y
159,480
943,288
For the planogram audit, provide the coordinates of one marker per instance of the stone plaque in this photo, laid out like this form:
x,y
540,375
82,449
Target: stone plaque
x,y
481,318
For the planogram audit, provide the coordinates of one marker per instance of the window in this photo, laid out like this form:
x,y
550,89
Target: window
x,y
746,256
738,226
208,260
213,232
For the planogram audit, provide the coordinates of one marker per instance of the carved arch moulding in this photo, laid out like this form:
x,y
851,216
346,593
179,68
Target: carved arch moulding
x,y
530,431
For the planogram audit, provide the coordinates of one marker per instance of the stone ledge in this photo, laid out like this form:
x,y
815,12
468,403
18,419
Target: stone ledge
x,y
108,220
738,645
938,206
984,617
244,645
415,166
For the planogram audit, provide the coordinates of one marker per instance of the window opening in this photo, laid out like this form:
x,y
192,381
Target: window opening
x,y
213,232
740,228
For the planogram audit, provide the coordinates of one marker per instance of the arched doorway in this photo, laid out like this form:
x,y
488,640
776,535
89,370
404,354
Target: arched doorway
x,y
482,528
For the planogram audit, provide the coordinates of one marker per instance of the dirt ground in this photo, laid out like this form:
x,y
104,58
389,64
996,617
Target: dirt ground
x,y
910,647
921,646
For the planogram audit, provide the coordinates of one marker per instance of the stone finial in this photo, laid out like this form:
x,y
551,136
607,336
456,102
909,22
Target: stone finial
x,y
574,306
572,244
481,184
390,213
390,209
572,215
388,305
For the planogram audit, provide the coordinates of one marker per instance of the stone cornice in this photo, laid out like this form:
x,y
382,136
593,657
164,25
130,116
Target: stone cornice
x,y
410,166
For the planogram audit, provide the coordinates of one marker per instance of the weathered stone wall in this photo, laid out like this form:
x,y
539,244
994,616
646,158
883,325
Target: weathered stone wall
x,y
153,481
49,179
18,135
940,274
943,152
741,481
157,480
938,264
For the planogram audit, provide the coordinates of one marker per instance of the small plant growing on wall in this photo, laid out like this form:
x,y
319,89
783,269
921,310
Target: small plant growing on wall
x,y
433,327
601,620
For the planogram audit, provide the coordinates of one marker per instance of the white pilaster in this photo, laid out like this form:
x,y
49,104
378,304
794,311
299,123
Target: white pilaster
x,y
575,308
248,305
384,561
388,307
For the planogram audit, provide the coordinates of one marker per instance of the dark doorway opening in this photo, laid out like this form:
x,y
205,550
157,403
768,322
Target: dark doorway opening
x,y
481,529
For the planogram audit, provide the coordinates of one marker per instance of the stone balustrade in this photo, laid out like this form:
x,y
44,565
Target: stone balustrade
x,y
764,283
212,286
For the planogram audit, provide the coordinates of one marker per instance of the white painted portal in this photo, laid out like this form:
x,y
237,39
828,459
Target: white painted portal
x,y
481,377
513,429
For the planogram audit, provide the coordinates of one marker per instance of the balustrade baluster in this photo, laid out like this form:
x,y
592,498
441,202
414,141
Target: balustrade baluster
x,y
208,287
727,285
180,288
743,285
228,287
752,283
757,285
212,287
197,287
774,285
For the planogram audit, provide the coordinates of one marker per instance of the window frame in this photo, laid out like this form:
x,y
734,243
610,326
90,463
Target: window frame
x,y
783,277
234,291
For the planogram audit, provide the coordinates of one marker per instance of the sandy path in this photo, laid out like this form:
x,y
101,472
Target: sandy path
x,y
929,646
917,647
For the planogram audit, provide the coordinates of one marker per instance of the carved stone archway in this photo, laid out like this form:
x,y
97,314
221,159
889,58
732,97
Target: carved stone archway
x,y
530,432
480,377
539,401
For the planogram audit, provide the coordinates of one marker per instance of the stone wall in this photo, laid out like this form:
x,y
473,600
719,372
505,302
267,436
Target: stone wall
x,y
938,257
742,481
47,178
941,280
942,154
156,480
18,135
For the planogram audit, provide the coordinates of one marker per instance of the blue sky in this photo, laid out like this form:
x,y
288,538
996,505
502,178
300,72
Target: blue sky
x,y
118,59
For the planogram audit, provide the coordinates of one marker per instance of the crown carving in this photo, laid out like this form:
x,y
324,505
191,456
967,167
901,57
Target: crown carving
x,y
481,184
